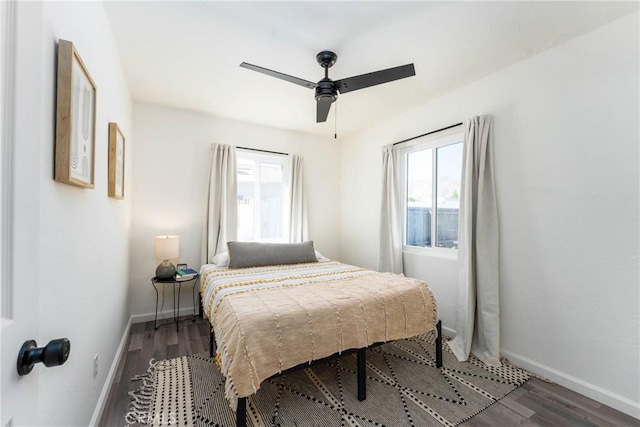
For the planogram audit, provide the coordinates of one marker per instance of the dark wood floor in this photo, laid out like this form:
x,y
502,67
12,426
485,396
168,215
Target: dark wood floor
x,y
536,403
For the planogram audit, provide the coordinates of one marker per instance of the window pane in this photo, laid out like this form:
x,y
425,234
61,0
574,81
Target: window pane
x,y
448,202
246,198
271,201
262,195
419,197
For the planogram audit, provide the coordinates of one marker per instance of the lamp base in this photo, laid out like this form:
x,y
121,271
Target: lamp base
x,y
165,270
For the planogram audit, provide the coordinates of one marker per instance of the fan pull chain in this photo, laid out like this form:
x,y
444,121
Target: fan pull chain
x,y
335,121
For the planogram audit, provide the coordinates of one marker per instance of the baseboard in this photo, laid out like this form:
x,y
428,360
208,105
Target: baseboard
x,y
448,332
164,315
592,391
106,388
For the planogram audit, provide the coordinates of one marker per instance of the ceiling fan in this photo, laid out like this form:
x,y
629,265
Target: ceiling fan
x,y
327,89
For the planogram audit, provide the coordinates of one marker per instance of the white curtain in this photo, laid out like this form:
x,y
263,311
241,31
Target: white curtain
x,y
221,204
478,314
390,251
298,222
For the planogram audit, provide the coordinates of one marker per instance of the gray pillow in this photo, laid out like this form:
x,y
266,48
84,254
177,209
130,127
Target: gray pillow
x,y
254,254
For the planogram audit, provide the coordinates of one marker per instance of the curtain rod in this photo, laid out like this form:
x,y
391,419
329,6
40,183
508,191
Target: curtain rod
x,y
428,133
263,151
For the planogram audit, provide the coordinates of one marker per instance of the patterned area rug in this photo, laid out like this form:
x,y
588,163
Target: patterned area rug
x,y
404,388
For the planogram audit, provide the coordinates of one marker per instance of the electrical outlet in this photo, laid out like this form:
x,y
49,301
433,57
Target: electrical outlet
x,y
95,366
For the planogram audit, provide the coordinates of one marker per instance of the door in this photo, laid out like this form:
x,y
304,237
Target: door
x,y
18,222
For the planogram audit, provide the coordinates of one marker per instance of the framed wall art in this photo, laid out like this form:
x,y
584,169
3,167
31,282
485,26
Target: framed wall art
x,y
75,119
116,162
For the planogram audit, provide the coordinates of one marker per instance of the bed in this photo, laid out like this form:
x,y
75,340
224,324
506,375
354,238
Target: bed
x,y
270,319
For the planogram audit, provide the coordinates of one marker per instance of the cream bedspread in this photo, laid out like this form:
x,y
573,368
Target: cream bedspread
x,y
268,319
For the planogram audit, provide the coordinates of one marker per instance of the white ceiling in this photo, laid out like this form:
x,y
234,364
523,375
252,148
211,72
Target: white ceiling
x,y
186,54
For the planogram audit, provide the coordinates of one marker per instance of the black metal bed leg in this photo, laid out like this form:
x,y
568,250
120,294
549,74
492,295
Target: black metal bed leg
x,y
211,339
362,374
439,344
241,412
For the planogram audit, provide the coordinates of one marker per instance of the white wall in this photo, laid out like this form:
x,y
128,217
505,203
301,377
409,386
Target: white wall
x,y
169,183
567,171
80,261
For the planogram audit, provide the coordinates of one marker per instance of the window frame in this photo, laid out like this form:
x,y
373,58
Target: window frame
x,y
273,158
434,141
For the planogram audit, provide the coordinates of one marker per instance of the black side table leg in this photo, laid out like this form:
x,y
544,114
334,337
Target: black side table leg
x,y
176,309
155,319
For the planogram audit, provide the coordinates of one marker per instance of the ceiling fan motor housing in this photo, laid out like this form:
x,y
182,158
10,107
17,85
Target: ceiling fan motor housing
x,y
325,91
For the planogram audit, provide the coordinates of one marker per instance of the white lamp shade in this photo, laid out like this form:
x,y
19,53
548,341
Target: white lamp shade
x,y
167,247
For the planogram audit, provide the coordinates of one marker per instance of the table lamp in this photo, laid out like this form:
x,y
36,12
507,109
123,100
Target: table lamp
x,y
167,247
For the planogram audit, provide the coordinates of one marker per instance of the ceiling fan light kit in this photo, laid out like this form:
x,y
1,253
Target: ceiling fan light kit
x,y
326,90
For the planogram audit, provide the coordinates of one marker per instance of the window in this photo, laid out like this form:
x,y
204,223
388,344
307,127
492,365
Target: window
x,y
432,173
262,194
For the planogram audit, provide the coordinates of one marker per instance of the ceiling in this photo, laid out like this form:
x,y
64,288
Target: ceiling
x,y
186,54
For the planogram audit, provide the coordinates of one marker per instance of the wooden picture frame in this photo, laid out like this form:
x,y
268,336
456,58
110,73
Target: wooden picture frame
x,y
75,119
116,162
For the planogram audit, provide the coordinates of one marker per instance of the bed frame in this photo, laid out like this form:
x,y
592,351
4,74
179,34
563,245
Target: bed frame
x,y
361,354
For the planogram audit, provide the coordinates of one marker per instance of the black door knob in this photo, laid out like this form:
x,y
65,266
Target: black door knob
x,y
53,354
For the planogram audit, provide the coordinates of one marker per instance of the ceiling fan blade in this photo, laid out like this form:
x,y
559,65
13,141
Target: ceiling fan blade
x,y
286,77
371,79
322,111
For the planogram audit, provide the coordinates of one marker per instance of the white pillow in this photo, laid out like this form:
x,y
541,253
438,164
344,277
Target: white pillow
x,y
221,260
